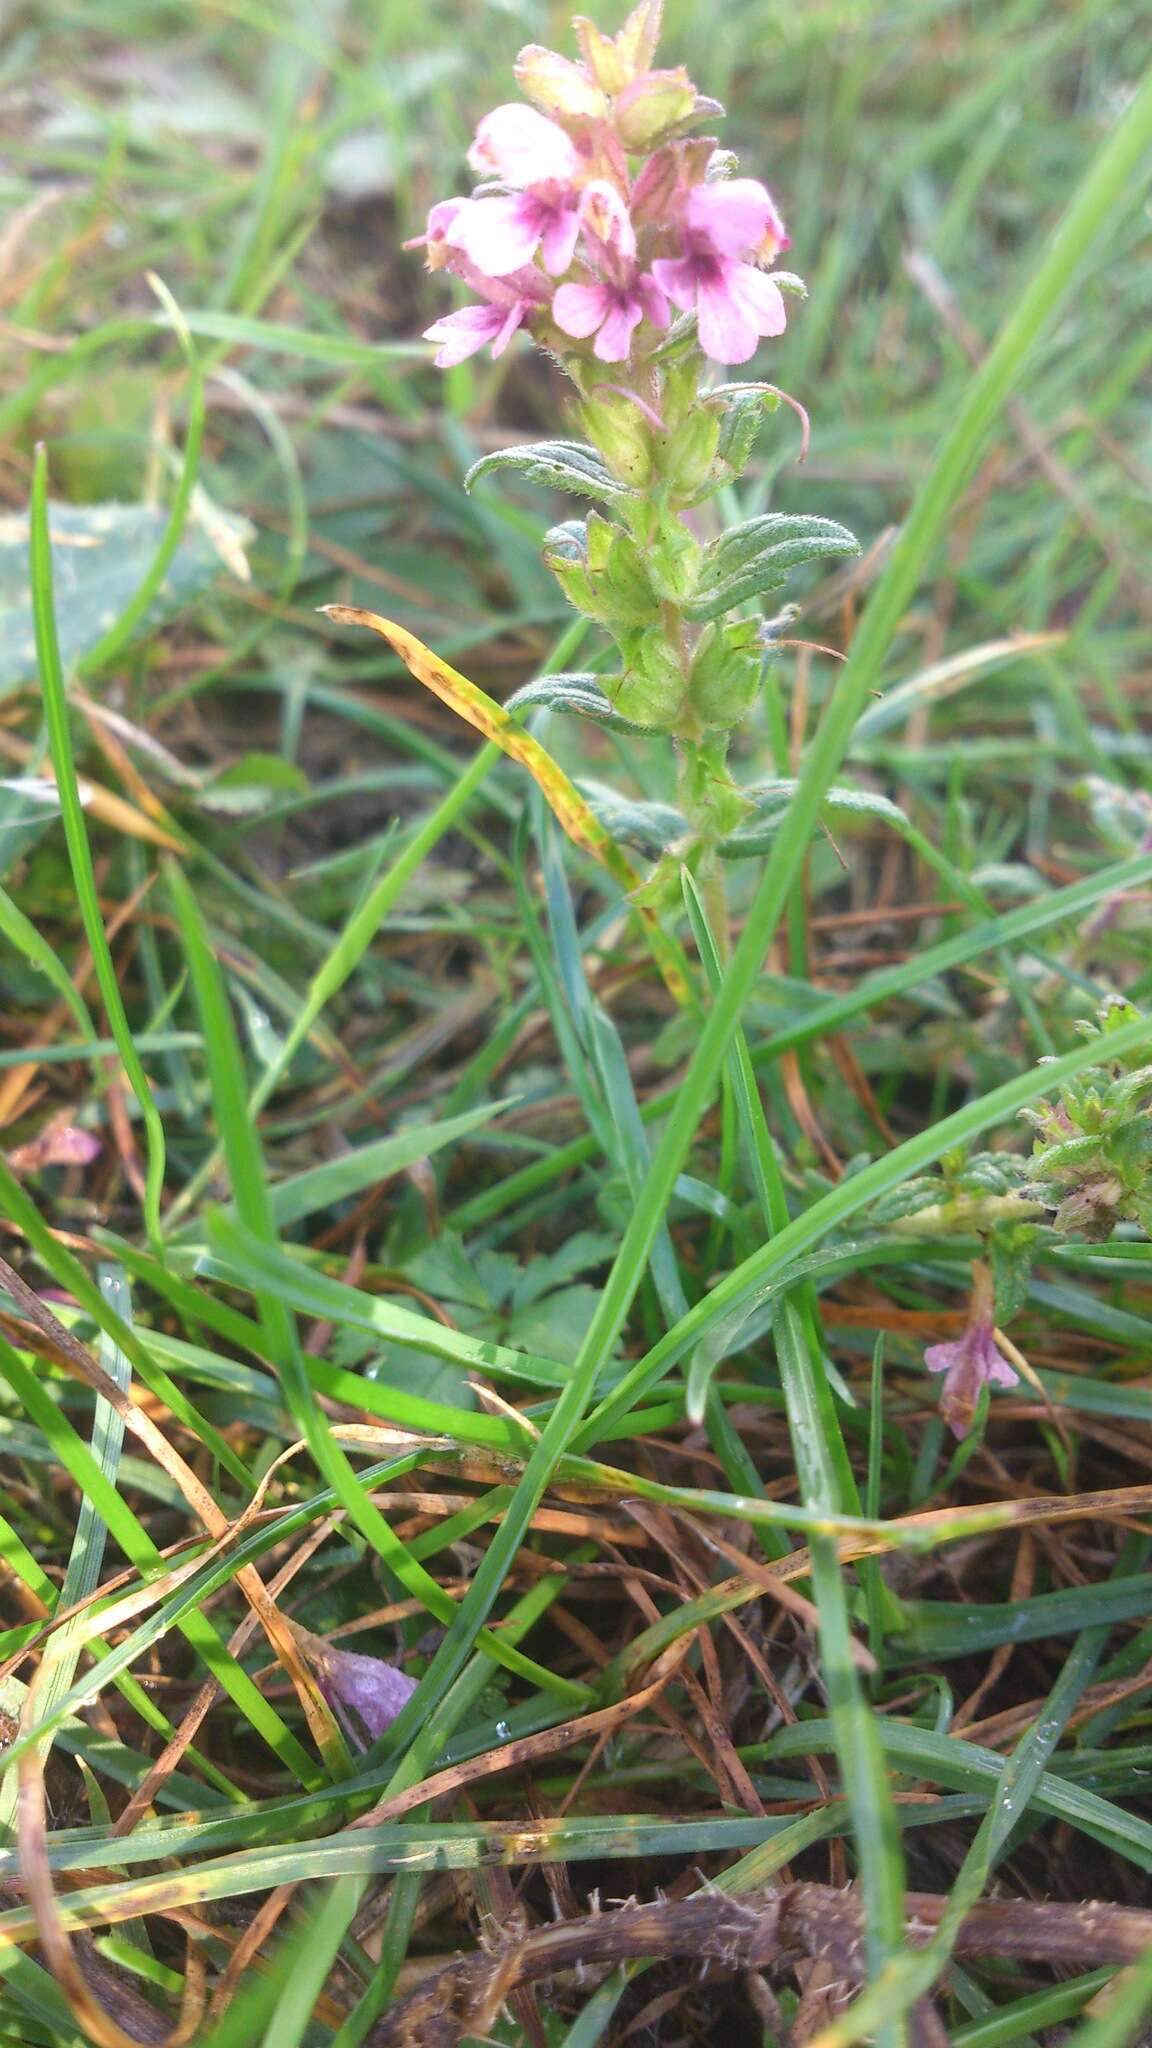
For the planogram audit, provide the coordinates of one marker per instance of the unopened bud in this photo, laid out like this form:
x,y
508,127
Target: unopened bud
x,y
565,552
654,105
626,593
672,561
678,166
558,87
615,61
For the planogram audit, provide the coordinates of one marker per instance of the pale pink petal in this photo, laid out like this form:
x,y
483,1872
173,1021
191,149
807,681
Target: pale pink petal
x,y
678,278
497,235
58,1144
942,1357
462,334
733,216
614,341
759,296
991,1363
728,332
558,241
606,216
522,147
440,220
513,320
580,308
365,1693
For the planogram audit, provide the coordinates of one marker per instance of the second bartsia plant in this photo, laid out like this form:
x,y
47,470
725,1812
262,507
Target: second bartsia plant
x,y
606,227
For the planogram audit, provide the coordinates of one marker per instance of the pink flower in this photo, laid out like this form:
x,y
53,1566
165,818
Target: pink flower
x,y
967,1364
464,333
608,224
365,1693
612,312
508,302
734,217
434,240
522,148
735,304
60,1143
620,297
502,233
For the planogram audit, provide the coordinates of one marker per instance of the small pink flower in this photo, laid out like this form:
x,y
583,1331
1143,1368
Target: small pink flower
x,y
365,1693
60,1143
612,312
734,217
522,148
508,302
968,1364
735,304
434,240
500,232
612,305
503,232
608,224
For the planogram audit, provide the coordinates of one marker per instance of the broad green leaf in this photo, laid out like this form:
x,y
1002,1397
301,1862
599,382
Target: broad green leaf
x,y
100,556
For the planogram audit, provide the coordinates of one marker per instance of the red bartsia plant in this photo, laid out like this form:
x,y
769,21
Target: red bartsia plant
x,y
615,235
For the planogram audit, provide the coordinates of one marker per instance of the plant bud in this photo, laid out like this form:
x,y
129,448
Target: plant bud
x,y
557,86
671,170
599,568
740,425
655,190
652,107
599,534
614,61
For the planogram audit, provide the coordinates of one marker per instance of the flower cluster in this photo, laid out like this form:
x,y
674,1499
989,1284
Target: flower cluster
x,y
598,214
621,240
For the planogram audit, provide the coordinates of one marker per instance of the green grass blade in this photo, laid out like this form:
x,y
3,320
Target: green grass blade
x,y
76,838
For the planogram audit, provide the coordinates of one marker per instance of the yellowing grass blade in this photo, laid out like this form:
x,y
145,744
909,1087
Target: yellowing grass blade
x,y
578,821
103,803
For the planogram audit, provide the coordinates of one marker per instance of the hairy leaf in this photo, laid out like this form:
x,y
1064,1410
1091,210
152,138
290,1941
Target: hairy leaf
x,y
758,555
581,695
562,465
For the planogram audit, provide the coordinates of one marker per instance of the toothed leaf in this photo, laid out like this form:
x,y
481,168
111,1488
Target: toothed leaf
x,y
561,465
758,555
